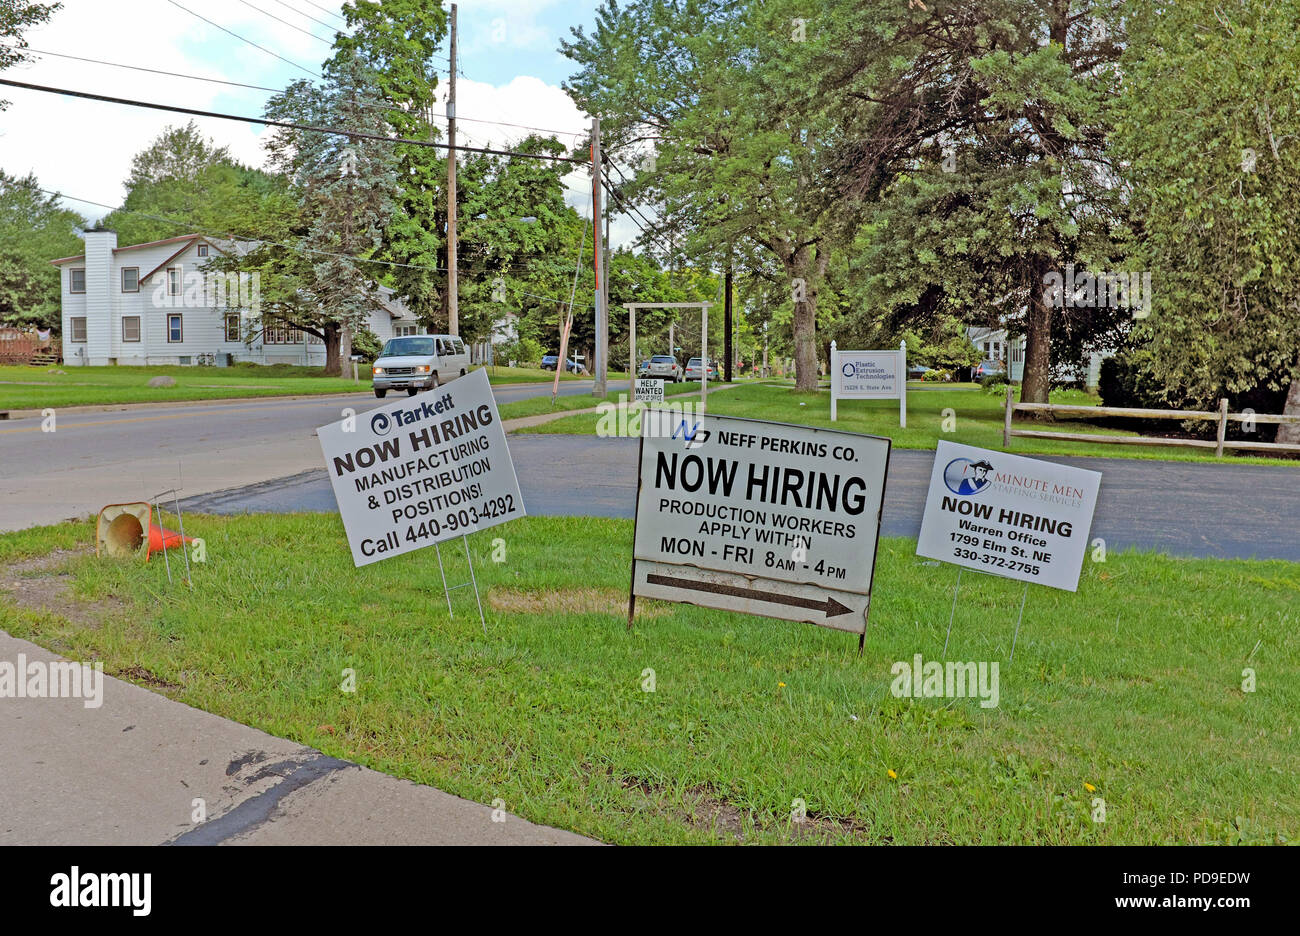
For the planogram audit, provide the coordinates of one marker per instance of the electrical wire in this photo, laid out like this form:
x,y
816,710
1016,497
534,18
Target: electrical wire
x,y
285,22
242,39
266,122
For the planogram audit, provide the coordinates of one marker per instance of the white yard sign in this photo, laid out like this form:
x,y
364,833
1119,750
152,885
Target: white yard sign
x,y
869,375
423,470
759,517
648,391
1019,517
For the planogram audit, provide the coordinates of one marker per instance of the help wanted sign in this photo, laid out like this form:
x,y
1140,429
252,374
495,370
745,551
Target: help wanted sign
x,y
429,468
1023,518
759,517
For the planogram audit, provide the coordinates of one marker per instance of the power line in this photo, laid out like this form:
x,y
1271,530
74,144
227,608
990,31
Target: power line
x,y
156,71
309,16
263,121
242,39
305,32
325,11
240,84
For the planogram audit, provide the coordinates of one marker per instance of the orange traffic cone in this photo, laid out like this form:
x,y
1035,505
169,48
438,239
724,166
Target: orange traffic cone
x,y
160,537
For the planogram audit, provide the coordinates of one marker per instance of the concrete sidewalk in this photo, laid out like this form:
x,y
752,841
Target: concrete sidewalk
x,y
130,772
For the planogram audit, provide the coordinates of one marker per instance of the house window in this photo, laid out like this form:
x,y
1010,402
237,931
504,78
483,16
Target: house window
x,y
175,331
130,328
77,281
79,328
403,330
174,280
203,250
130,279
232,327
280,333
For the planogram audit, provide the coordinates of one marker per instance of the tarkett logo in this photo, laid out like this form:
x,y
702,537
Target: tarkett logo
x,y
380,424
965,477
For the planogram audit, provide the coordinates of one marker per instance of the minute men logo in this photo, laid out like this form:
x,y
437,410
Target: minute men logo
x,y
965,477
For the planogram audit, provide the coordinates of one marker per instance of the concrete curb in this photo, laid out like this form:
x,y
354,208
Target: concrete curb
x,y
162,404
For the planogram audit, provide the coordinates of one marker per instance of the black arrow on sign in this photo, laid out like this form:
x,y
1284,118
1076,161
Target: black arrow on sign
x,y
829,605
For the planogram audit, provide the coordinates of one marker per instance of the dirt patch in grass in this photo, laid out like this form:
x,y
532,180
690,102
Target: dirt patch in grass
x,y
570,601
37,584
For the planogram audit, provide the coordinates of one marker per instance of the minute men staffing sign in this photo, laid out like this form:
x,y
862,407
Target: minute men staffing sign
x,y
1022,518
759,517
428,469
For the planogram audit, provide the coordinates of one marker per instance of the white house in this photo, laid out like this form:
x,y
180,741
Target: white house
x,y
995,345
157,303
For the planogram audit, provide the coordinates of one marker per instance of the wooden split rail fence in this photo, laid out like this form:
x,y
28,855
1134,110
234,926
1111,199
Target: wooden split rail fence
x,y
1221,416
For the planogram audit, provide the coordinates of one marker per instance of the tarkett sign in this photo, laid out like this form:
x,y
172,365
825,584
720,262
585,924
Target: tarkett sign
x,y
428,469
759,517
1023,518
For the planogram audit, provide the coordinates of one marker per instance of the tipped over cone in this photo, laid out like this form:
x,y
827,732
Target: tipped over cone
x,y
159,537
119,531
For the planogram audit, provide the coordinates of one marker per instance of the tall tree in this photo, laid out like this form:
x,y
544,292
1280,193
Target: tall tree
x,y
183,182
33,231
980,131
698,79
396,41
1210,128
15,18
315,273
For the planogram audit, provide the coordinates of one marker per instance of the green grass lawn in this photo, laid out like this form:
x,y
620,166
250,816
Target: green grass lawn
x,y
40,387
535,406
509,375
1132,686
976,419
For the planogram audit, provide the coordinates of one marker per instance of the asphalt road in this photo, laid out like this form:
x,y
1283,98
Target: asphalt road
x,y
1181,508
133,453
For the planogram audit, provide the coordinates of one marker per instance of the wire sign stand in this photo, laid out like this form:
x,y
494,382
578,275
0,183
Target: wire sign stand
x,y
473,582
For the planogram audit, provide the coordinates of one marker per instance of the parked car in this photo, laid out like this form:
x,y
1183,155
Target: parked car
x,y
418,362
552,361
917,371
644,369
666,366
989,369
695,369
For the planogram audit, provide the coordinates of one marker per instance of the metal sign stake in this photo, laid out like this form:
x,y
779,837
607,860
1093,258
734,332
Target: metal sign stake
x,y
474,580
153,505
1019,617
952,613
445,592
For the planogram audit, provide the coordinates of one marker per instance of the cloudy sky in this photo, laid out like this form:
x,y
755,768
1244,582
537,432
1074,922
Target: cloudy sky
x,y
510,71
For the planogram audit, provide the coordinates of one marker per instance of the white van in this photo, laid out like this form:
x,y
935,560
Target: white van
x,y
419,362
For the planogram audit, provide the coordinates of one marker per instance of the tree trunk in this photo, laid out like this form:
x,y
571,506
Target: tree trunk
x,y
1289,433
333,364
805,322
1036,380
345,351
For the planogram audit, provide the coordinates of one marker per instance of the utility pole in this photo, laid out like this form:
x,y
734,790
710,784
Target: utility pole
x,y
726,308
602,296
453,287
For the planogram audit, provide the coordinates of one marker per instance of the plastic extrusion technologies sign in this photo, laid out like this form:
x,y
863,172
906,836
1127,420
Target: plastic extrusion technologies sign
x,y
759,517
421,471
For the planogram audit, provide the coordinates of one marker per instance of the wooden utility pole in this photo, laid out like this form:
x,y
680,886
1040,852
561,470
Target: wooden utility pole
x,y
602,297
726,307
453,287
